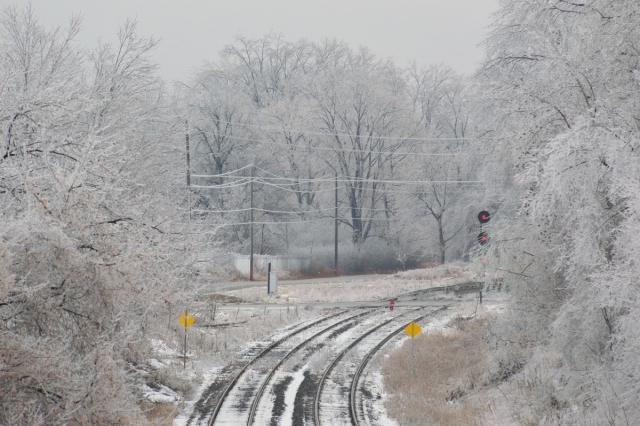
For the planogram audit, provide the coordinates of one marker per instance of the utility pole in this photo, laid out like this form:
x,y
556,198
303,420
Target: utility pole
x,y
251,231
335,237
186,313
186,124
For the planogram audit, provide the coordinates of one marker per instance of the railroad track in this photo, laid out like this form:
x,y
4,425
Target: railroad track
x,y
457,289
214,395
244,398
250,379
255,380
342,382
291,353
356,411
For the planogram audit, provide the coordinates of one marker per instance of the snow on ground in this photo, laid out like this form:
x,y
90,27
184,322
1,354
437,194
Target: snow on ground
x,y
353,291
229,415
290,397
207,379
330,412
374,381
156,364
160,394
265,409
449,270
160,347
385,287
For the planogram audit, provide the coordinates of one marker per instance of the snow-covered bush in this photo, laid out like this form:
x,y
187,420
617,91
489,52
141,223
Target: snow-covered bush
x,y
86,262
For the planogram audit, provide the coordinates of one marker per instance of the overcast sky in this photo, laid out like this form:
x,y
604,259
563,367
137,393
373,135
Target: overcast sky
x,y
194,31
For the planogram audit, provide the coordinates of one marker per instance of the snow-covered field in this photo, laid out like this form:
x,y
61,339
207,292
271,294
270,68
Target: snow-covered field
x,y
351,291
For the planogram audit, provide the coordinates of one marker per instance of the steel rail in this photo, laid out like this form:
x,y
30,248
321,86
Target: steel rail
x,y
266,350
316,403
354,381
229,387
265,382
469,286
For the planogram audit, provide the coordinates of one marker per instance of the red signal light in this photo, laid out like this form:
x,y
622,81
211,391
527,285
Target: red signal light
x,y
484,216
483,238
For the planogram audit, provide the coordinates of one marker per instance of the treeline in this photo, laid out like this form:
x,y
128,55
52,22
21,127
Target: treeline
x,y
399,143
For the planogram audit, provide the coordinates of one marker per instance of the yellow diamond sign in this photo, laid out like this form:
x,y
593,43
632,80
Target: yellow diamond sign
x,y
186,319
412,329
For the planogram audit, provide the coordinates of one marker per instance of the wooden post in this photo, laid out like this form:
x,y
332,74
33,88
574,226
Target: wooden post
x,y
188,154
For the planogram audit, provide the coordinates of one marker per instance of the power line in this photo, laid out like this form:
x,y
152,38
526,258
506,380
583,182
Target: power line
x,y
298,212
281,177
230,172
351,181
261,179
243,180
262,210
315,191
313,132
222,186
342,219
274,223
319,148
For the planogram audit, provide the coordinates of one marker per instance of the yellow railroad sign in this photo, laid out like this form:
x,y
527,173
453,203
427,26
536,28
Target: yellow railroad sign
x,y
186,319
412,329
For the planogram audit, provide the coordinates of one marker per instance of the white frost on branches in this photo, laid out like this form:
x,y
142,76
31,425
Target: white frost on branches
x,y
563,90
86,206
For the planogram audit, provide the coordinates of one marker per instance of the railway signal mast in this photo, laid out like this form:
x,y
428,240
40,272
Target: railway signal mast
x,y
483,217
483,238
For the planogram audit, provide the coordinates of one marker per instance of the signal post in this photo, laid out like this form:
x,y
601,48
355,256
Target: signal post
x,y
483,238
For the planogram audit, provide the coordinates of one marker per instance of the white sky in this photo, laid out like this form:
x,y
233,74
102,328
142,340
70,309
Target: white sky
x,y
194,31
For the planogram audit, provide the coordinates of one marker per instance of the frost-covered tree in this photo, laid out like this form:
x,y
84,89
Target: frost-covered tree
x,y
563,88
359,106
220,120
86,256
441,101
313,111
